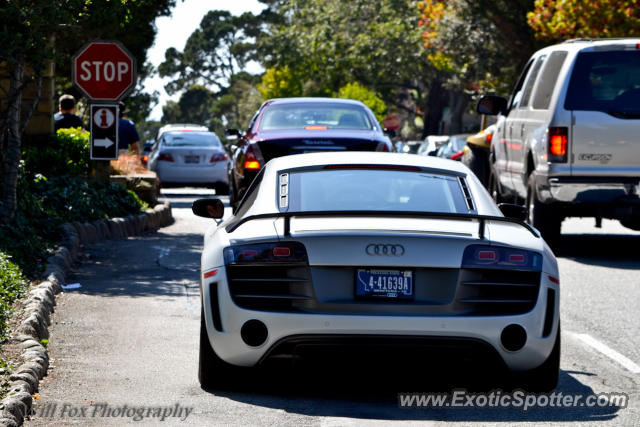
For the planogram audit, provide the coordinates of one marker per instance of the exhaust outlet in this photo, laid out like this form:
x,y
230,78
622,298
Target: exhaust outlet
x,y
254,333
513,337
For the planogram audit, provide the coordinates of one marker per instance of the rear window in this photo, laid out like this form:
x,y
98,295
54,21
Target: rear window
x,y
191,139
375,189
315,116
606,81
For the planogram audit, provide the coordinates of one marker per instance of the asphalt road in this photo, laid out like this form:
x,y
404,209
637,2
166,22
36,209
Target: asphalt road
x,y
129,336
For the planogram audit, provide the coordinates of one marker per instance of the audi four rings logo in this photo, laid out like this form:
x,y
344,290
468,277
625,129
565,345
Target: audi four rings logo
x,y
385,250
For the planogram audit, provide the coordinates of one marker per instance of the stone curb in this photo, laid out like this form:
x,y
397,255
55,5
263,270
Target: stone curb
x,y
37,309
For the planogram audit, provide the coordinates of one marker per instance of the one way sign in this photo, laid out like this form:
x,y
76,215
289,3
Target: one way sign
x,y
104,132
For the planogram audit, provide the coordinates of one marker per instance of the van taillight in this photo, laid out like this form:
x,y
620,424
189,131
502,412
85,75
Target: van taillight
x,y
558,137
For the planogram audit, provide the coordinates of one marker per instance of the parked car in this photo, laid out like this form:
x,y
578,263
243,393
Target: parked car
x,y
476,153
370,250
452,149
187,156
431,143
146,149
567,139
301,125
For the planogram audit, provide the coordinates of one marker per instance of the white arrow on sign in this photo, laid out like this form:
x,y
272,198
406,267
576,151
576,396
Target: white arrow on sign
x,y
103,143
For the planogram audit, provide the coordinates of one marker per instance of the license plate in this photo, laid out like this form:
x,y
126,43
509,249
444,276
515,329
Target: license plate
x,y
191,159
394,284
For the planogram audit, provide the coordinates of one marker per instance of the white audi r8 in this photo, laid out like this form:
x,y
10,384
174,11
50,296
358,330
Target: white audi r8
x,y
372,250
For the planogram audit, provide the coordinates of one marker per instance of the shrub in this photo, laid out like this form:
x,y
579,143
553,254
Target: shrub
x,y
12,286
66,153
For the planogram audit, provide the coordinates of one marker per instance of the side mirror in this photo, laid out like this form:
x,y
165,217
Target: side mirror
x,y
208,208
232,134
391,133
513,211
492,105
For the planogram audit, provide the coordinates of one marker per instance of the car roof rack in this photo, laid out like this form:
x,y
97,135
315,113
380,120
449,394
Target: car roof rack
x,y
482,219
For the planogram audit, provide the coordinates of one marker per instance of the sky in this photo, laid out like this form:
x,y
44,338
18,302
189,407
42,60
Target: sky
x,y
174,30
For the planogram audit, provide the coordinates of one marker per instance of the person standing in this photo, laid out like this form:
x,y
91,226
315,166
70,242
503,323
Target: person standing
x,y
128,137
66,117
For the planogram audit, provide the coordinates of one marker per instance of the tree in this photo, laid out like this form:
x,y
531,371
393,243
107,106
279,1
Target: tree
x,y
322,45
215,51
193,107
565,19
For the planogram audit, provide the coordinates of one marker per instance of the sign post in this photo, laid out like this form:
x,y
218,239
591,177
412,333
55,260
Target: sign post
x,y
105,72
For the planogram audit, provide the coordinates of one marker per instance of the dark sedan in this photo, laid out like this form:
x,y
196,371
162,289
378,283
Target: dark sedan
x,y
301,125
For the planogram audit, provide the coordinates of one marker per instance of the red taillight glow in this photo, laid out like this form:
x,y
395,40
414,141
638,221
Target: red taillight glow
x,y
316,127
145,158
499,257
558,137
489,137
250,160
281,251
218,157
165,157
554,280
487,256
276,252
456,156
210,273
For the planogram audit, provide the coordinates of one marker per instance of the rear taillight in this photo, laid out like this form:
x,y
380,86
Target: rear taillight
x,y
218,157
265,252
488,137
165,157
558,137
457,156
250,159
145,159
483,256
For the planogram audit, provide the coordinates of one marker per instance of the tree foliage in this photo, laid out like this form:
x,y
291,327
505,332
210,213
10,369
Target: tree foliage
x,y
565,19
479,44
214,52
367,96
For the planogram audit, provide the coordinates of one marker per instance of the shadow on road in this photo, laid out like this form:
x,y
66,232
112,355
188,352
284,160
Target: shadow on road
x,y
374,395
607,250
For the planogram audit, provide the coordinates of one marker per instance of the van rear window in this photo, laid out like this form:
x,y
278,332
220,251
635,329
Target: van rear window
x,y
607,81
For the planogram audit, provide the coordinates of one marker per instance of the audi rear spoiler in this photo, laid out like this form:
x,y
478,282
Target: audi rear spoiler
x,y
482,219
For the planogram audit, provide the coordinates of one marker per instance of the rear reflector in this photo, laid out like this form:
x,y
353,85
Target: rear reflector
x,y
456,156
281,251
210,273
554,280
316,127
558,137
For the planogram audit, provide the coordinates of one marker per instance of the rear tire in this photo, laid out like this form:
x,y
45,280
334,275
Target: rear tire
x,y
543,216
544,378
494,187
477,159
213,371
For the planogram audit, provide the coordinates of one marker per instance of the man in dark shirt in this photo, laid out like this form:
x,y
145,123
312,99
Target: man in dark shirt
x,y
127,133
66,117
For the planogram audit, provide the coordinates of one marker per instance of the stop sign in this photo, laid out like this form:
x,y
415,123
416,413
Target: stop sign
x,y
104,70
